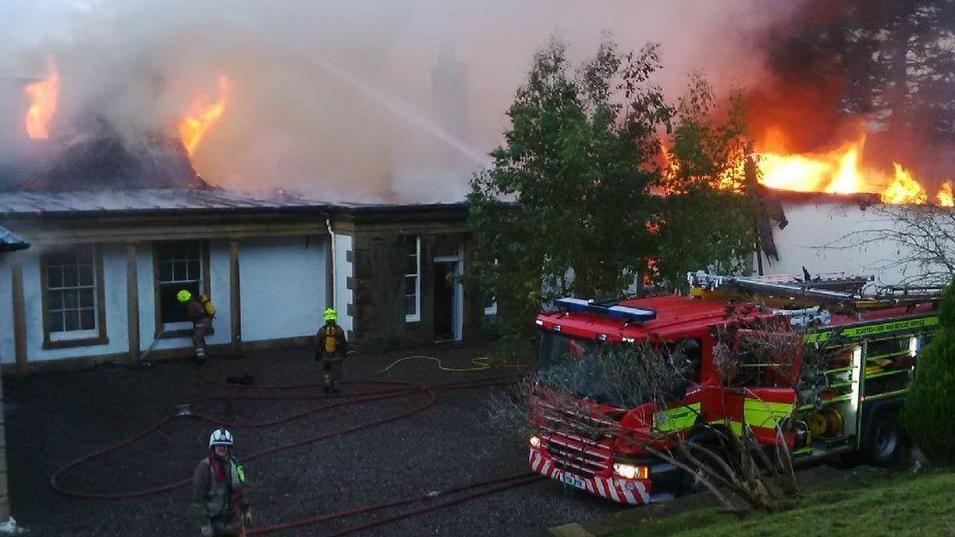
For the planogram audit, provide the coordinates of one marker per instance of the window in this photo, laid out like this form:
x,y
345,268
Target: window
x,y
766,359
412,271
688,354
178,265
72,285
490,301
490,306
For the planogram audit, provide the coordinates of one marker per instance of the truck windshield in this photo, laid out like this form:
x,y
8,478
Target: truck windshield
x,y
601,372
557,349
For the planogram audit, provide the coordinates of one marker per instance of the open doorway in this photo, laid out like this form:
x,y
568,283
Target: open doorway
x,y
448,298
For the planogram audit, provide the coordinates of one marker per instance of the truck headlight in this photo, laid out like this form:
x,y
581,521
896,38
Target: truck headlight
x,y
630,471
535,442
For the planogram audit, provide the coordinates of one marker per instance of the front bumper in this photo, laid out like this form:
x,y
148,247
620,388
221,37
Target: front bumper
x,y
613,487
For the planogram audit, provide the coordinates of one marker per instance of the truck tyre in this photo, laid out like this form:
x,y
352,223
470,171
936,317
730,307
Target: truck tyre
x,y
886,440
711,438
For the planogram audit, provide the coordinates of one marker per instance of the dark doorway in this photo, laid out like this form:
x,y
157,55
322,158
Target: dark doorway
x,y
444,300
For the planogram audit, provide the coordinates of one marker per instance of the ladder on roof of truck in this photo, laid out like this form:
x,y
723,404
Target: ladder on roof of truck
x,y
822,291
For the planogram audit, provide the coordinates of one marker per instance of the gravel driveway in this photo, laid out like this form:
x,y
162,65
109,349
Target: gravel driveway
x,y
52,419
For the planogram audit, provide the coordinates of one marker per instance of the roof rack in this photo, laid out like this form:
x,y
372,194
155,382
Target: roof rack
x,y
912,290
835,291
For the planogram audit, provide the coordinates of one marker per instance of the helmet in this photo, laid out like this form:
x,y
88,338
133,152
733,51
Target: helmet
x,y
220,437
330,315
183,296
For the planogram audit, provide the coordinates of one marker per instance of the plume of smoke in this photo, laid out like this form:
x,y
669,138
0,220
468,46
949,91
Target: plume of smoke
x,y
336,99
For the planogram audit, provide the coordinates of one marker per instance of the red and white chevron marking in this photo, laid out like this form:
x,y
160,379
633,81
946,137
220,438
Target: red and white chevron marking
x,y
618,489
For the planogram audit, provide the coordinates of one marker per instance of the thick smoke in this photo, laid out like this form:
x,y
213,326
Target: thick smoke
x,y
358,100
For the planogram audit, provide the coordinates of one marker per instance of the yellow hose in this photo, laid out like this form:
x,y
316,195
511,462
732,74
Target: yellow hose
x,y
480,364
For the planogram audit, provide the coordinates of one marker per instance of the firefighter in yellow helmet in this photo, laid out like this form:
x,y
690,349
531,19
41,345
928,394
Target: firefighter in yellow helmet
x,y
201,320
331,348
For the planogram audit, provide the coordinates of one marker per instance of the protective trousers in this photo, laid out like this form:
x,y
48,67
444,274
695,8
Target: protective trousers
x,y
333,372
227,526
199,329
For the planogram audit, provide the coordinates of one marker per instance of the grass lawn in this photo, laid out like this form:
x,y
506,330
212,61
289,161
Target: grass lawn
x,y
922,504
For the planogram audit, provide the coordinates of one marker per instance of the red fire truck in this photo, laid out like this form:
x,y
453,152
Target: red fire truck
x,y
864,349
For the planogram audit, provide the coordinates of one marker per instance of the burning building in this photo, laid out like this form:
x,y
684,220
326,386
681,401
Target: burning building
x,y
121,221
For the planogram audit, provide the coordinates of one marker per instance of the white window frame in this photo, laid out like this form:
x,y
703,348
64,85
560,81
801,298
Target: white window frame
x,y
492,309
182,325
416,316
68,335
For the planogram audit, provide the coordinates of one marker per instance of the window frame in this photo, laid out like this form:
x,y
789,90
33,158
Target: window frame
x,y
491,310
80,338
180,329
416,316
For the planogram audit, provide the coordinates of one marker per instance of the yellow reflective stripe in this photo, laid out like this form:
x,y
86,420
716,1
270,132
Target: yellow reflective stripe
x,y
676,419
873,329
736,427
759,413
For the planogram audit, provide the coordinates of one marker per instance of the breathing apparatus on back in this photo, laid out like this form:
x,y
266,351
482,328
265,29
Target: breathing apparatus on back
x,y
330,341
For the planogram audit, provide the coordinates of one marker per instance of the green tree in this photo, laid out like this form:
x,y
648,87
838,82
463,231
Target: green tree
x,y
565,207
929,411
707,216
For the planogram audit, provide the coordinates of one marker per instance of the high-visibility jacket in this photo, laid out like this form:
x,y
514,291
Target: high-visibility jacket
x,y
220,502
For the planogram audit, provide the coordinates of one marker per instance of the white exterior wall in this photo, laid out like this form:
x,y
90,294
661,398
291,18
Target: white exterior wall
x,y
282,286
343,270
6,308
114,283
814,225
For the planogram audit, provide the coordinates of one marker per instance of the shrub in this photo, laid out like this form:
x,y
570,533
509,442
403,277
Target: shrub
x,y
929,411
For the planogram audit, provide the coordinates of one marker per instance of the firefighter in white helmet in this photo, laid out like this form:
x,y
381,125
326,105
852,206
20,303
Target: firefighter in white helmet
x,y
220,491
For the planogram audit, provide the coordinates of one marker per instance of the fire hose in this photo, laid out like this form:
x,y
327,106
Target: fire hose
x,y
490,486
481,363
394,389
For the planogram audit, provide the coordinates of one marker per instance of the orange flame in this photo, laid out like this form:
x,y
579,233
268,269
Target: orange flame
x,y
834,172
203,116
42,103
839,172
945,197
904,189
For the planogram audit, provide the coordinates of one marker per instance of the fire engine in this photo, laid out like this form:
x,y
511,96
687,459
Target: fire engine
x,y
863,347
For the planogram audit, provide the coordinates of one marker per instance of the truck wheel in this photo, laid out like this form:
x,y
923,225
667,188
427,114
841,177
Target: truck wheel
x,y
689,484
716,439
887,440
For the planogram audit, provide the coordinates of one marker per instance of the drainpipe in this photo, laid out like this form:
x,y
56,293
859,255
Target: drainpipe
x,y
331,234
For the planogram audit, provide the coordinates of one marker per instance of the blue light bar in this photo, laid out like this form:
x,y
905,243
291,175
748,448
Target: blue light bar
x,y
611,310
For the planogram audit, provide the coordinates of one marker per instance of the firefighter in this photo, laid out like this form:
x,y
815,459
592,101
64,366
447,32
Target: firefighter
x,y
220,491
330,348
200,323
